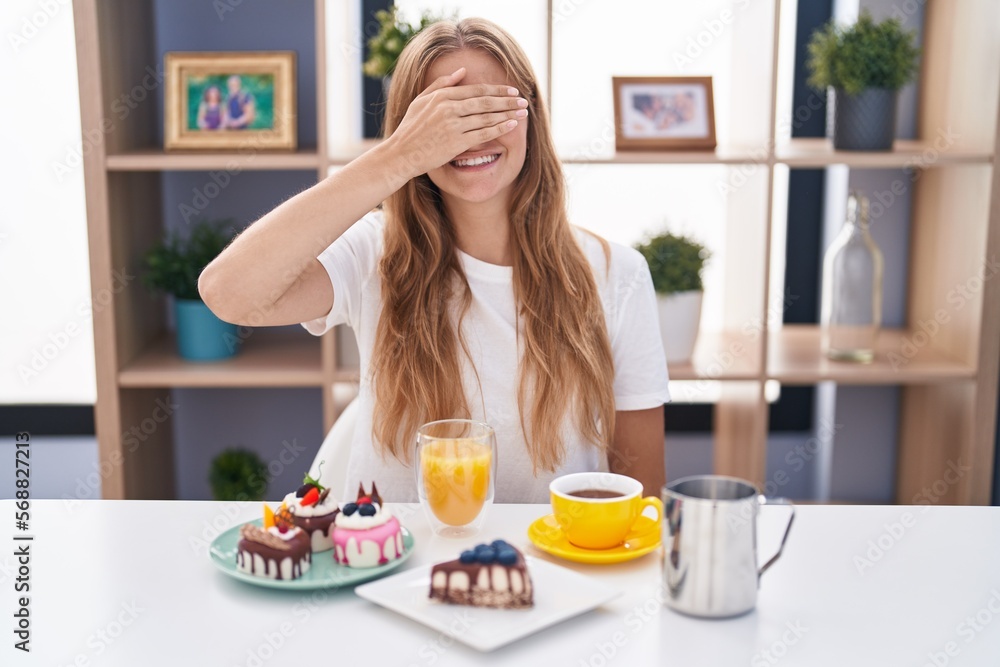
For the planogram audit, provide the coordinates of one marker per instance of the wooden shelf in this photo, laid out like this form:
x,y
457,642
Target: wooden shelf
x,y
720,155
905,153
720,355
153,159
266,360
795,357
795,153
340,156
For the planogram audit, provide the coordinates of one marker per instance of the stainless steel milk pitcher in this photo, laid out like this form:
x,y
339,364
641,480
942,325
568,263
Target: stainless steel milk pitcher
x,y
710,545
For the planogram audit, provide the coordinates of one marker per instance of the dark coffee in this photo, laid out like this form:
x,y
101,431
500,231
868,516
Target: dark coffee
x,y
595,493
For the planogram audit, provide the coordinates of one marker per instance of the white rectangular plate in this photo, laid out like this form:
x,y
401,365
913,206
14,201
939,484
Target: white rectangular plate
x,y
559,594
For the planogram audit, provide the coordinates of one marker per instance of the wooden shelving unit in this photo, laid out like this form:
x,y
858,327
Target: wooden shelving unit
x,y
265,360
721,355
135,357
813,153
732,155
152,159
795,357
949,382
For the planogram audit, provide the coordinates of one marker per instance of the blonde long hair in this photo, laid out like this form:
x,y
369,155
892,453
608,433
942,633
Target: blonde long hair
x,y
567,361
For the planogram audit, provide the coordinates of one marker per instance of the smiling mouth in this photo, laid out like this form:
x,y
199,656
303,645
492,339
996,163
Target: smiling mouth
x,y
481,162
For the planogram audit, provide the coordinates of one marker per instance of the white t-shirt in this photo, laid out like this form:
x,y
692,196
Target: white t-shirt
x,y
489,328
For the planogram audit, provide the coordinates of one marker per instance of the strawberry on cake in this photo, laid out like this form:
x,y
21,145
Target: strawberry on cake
x,y
365,533
314,510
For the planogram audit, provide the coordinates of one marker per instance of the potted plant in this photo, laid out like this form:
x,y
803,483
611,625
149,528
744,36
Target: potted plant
x,y
238,474
173,266
675,263
384,48
865,65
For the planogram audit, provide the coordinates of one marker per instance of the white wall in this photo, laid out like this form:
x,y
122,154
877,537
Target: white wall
x,y
47,346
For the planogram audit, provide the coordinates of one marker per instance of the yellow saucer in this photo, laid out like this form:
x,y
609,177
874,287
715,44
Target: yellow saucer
x,y
545,534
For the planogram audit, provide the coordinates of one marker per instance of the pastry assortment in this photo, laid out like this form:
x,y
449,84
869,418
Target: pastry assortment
x,y
361,533
360,540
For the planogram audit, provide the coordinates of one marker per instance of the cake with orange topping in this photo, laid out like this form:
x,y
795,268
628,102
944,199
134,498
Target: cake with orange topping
x,y
278,550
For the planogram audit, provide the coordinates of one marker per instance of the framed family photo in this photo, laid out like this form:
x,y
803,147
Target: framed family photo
x,y
664,113
230,100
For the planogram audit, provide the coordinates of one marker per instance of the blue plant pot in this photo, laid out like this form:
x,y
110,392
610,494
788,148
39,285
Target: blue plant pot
x,y
201,336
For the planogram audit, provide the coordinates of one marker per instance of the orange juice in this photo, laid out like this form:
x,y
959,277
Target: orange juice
x,y
456,479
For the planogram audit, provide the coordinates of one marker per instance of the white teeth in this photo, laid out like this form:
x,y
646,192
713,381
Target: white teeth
x,y
485,159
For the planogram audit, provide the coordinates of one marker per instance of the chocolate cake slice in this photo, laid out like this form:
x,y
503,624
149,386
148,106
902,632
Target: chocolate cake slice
x,y
271,553
490,575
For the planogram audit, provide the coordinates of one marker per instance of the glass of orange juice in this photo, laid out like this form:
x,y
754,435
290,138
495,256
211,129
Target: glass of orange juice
x,y
456,474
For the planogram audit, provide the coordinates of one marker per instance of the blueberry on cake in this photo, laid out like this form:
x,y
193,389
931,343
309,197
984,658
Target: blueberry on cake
x,y
490,575
365,532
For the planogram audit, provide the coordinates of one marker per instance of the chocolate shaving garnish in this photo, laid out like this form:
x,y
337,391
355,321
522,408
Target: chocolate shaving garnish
x,y
261,536
323,496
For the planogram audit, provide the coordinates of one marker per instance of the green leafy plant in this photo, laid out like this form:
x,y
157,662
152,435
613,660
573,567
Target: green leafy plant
x,y
238,474
385,47
174,264
675,262
864,55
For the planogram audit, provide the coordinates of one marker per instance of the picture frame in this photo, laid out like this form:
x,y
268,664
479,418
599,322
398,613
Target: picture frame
x,y
664,113
230,100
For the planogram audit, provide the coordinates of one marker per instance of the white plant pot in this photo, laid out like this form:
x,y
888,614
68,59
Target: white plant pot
x,y
680,314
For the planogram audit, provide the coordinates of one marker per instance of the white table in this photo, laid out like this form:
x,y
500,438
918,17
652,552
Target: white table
x,y
130,583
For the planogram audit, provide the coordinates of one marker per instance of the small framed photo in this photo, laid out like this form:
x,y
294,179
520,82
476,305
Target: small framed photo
x,y
230,100
664,113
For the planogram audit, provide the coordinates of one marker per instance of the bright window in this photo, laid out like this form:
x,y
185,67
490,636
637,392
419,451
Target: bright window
x,y
46,327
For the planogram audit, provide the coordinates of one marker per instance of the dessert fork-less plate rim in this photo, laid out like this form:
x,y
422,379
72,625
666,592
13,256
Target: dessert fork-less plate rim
x,y
323,573
559,594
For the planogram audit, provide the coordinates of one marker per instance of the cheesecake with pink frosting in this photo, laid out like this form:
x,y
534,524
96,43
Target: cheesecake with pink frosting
x,y
365,533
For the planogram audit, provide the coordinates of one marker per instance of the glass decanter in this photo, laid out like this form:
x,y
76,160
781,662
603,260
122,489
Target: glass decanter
x,y
852,288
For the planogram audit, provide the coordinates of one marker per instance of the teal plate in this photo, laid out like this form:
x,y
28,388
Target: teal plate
x,y
323,573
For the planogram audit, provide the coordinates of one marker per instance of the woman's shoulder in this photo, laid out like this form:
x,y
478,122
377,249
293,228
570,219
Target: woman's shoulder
x,y
613,263
367,231
360,245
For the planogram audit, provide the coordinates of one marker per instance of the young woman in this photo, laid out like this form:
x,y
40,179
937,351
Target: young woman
x,y
211,112
469,292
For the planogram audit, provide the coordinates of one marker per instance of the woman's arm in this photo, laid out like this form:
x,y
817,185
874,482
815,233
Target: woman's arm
x,y
269,274
637,450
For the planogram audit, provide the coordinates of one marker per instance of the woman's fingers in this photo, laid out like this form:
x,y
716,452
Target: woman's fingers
x,y
444,81
485,134
477,121
480,90
479,105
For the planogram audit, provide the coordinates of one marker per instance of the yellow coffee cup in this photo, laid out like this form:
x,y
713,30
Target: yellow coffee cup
x,y
597,510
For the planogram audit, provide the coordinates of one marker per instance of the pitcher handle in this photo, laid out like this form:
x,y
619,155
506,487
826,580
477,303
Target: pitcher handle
x,y
788,528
